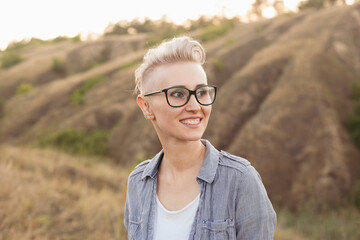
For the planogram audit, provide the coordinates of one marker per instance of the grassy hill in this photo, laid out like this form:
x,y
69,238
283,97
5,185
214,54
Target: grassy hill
x,y
47,194
51,195
284,97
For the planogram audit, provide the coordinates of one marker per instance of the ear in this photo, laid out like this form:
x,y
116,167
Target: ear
x,y
144,105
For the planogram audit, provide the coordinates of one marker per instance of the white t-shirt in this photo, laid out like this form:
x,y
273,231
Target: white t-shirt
x,y
174,225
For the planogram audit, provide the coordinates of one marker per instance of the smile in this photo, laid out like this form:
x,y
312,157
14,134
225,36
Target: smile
x,y
193,121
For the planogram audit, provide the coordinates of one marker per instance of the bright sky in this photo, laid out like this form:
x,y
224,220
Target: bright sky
x,y
47,19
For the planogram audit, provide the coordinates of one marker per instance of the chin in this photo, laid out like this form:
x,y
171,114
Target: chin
x,y
192,138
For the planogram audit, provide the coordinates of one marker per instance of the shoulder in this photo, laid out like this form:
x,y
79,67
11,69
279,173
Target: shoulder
x,y
247,177
234,162
139,169
235,167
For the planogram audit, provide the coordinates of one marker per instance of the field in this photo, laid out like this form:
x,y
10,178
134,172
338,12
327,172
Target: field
x,y
50,195
46,194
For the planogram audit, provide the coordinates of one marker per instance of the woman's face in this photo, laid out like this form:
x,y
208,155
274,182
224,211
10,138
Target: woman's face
x,y
186,123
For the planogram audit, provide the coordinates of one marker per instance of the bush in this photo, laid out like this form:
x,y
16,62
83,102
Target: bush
x,y
59,39
16,45
78,142
353,124
58,65
355,194
230,41
166,34
76,39
77,97
10,58
91,65
311,4
23,89
130,64
355,90
219,66
2,108
212,32
353,121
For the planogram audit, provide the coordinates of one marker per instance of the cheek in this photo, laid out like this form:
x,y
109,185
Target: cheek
x,y
207,110
163,112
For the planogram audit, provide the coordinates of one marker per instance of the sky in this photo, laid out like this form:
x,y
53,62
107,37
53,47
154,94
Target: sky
x,y
46,19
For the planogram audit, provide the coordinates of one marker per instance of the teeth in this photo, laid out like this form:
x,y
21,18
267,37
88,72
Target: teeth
x,y
191,121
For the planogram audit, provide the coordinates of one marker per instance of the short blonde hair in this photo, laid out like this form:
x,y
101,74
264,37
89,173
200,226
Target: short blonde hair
x,y
179,49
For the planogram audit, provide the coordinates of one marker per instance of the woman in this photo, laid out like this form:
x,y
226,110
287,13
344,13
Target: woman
x,y
190,190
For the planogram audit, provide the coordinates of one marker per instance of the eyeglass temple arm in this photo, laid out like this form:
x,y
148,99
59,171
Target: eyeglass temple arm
x,y
151,93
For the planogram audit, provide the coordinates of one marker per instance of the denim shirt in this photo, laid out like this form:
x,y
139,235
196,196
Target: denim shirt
x,y
233,201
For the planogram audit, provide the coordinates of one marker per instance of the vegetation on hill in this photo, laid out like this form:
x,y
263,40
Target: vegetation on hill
x,y
315,224
77,97
163,29
319,3
353,122
284,87
2,103
36,42
78,142
50,195
59,65
9,59
47,194
23,89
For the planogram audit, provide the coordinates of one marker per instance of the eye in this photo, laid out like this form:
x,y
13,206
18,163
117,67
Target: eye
x,y
177,93
202,92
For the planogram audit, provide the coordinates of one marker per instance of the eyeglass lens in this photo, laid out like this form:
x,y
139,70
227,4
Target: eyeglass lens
x,y
179,96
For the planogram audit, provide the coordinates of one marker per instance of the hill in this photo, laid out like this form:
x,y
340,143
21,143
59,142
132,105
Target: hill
x,y
284,95
46,194
50,195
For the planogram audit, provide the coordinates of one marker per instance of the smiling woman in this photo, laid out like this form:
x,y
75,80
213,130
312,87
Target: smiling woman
x,y
190,190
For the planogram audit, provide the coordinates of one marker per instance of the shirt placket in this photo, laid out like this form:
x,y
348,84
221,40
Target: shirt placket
x,y
195,232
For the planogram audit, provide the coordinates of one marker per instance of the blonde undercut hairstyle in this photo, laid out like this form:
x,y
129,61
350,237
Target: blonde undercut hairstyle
x,y
179,49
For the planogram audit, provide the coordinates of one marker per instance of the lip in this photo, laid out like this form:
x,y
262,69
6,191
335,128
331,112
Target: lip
x,y
191,118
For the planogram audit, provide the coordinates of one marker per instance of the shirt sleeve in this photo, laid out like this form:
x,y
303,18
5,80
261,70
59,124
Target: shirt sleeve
x,y
255,215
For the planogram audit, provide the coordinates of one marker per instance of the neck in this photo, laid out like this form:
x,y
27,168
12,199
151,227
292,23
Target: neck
x,y
182,157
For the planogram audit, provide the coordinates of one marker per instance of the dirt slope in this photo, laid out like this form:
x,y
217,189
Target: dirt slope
x,y
284,94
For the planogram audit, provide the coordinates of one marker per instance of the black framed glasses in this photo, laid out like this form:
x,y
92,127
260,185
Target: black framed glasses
x,y
179,96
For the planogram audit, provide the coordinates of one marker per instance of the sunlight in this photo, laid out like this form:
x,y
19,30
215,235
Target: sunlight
x,y
22,19
269,12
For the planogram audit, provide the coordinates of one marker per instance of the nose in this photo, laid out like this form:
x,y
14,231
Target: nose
x,y
192,104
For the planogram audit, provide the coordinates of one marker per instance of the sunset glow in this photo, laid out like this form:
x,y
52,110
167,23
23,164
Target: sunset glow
x,y
22,19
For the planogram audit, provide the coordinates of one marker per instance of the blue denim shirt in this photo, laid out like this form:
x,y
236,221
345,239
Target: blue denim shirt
x,y
233,201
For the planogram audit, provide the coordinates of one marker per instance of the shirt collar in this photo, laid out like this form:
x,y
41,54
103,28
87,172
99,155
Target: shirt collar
x,y
207,171
152,168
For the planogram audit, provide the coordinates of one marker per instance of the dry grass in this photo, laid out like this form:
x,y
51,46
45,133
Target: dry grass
x,y
45,194
284,90
287,234
319,224
48,195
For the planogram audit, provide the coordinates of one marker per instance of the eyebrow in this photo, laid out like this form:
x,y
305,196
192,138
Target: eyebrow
x,y
199,85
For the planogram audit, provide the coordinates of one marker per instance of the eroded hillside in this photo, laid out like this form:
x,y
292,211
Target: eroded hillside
x,y
284,94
